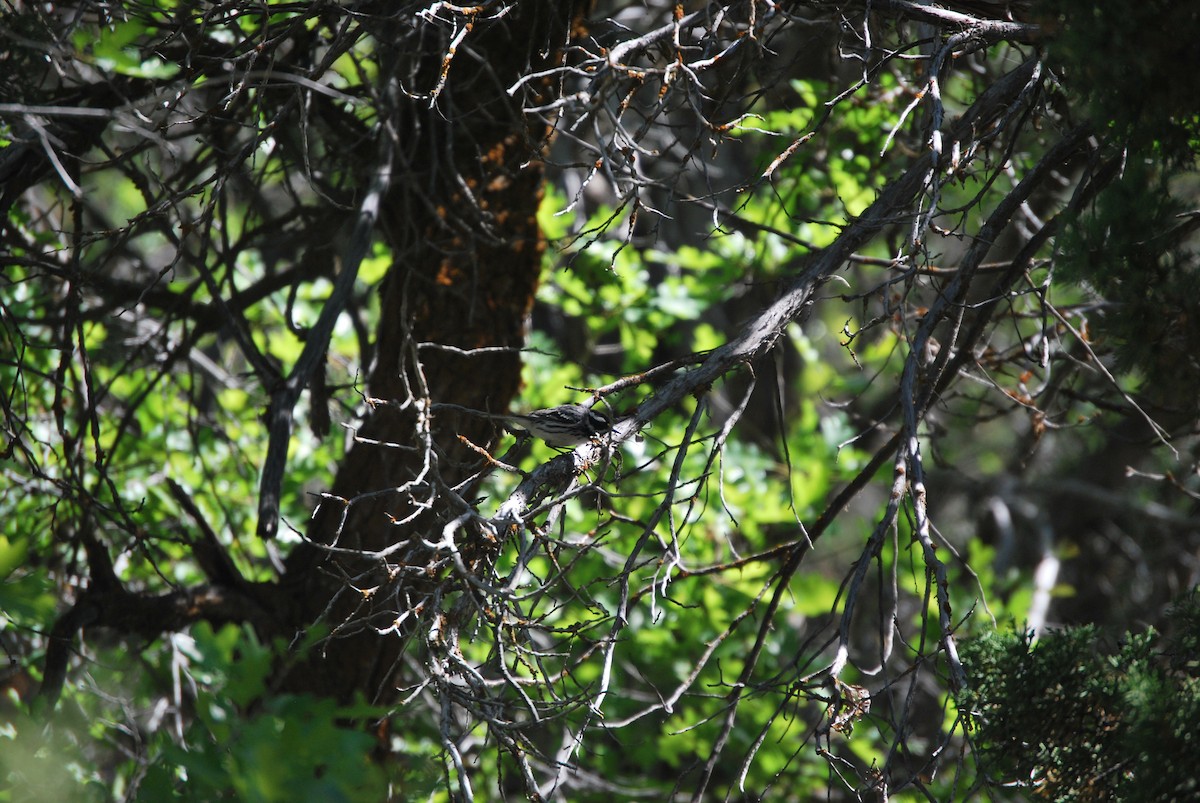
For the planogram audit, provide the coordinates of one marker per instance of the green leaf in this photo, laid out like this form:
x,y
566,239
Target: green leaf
x,y
12,554
28,600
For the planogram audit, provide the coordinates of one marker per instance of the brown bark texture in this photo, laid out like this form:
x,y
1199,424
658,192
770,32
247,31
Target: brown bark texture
x,y
461,219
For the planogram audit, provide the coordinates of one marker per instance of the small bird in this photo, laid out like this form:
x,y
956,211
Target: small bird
x,y
563,426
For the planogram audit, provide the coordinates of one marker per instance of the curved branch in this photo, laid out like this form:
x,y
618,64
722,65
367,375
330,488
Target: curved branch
x,y
147,616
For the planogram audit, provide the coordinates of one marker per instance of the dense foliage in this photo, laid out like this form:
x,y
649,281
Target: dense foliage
x,y
893,305
1075,722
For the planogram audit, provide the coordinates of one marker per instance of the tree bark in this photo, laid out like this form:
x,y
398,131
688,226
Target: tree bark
x,y
462,225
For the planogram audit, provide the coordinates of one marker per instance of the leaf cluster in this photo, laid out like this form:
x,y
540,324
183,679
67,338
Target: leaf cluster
x,y
1068,720
1135,245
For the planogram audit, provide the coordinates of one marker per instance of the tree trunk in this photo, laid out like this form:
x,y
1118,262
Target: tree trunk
x,y
461,221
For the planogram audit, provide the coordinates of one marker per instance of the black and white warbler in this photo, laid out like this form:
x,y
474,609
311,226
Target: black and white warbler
x,y
563,426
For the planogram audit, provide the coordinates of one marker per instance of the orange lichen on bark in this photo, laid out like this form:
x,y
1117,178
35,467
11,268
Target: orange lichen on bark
x,y
447,274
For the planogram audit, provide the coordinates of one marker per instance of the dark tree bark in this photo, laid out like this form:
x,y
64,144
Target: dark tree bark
x,y
462,221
